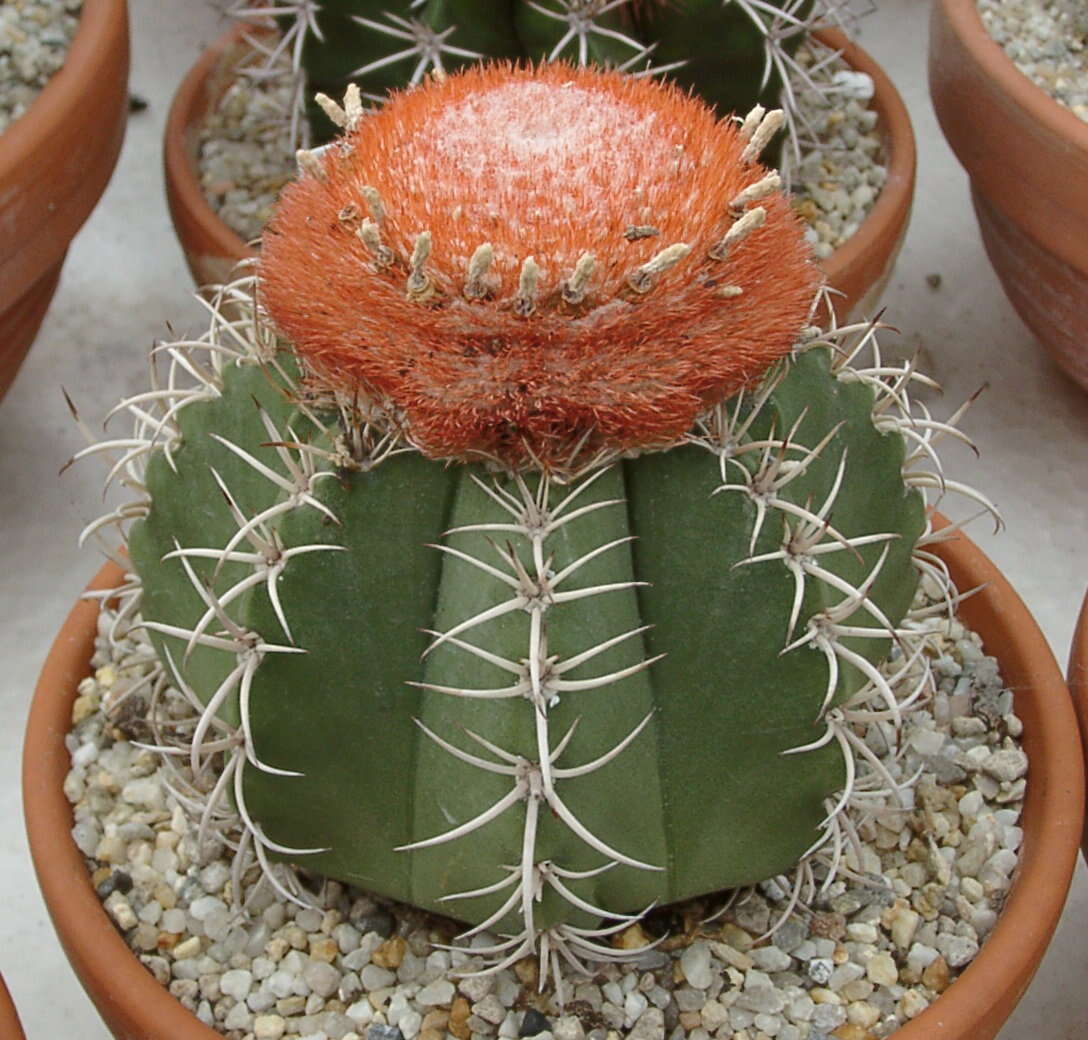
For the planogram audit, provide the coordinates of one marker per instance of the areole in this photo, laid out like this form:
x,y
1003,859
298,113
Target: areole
x,y
135,1007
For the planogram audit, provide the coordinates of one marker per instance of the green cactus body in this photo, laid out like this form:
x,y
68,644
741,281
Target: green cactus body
x,y
613,617
719,50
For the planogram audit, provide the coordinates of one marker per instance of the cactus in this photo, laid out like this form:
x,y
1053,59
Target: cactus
x,y
525,551
732,53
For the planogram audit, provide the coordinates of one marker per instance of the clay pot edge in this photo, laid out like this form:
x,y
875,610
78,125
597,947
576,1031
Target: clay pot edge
x,y
1078,687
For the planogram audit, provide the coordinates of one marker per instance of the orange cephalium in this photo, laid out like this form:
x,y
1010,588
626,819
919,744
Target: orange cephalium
x,y
516,261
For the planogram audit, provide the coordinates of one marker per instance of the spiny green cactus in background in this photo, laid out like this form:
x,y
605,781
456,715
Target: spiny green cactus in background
x,y
732,53
526,554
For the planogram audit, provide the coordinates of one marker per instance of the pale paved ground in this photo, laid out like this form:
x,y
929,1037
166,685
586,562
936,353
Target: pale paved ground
x,y
125,278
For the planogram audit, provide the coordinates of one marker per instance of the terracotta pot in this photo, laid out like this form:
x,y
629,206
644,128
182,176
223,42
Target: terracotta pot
x,y
55,162
1078,686
10,1029
859,269
136,1007
1027,157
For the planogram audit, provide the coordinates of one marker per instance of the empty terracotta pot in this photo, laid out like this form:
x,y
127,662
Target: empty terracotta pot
x,y
859,269
136,1007
1078,685
1027,157
55,162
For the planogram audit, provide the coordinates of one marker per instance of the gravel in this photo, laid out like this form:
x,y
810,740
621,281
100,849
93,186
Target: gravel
x,y
1048,42
246,155
857,962
34,39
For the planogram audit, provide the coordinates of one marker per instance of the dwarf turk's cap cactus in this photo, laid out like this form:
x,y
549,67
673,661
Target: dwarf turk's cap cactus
x,y
523,553
520,263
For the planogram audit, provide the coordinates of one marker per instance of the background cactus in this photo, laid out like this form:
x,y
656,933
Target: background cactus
x,y
732,53
473,624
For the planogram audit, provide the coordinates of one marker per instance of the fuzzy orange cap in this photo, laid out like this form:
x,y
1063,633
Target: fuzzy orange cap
x,y
515,262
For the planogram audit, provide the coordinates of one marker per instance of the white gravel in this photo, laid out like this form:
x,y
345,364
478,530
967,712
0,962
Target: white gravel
x,y
246,155
1048,42
870,954
34,39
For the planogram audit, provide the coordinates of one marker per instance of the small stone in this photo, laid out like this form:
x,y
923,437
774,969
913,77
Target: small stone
x,y
239,1017
459,1015
409,1024
650,1026
269,1027
322,978
121,911
489,1009
828,925
288,1006
737,937
533,1023
819,970
714,1015
390,953
569,1027
189,948
851,1031
380,1031
881,970
902,924
441,991
372,977
1006,765
912,1004
324,949
173,921
958,950
770,958
695,964
236,983
936,975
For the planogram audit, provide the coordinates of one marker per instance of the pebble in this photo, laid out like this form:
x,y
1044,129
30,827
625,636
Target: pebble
x,y
695,963
269,1027
322,978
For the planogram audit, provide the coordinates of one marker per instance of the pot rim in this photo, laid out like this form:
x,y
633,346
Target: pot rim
x,y
130,998
1078,687
965,21
47,113
891,208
